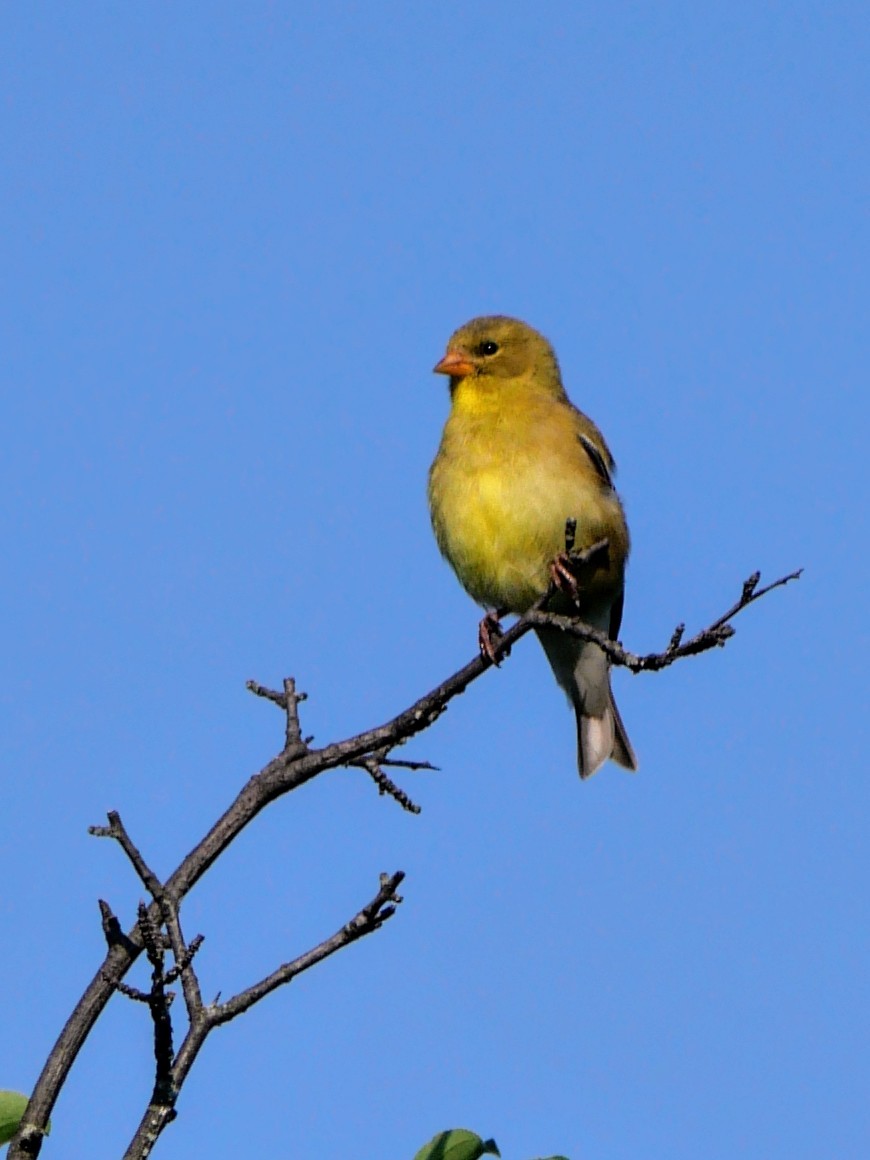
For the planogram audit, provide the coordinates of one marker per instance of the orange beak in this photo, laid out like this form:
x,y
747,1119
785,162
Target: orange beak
x,y
455,364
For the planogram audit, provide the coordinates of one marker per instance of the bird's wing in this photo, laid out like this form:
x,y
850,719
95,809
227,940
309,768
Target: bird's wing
x,y
601,459
616,615
598,460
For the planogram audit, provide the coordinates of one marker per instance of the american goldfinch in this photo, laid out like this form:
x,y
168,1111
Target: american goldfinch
x,y
516,461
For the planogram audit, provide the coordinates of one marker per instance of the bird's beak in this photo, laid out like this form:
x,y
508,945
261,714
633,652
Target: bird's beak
x,y
455,364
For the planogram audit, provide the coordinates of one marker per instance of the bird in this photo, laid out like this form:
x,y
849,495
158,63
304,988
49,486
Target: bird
x,y
517,460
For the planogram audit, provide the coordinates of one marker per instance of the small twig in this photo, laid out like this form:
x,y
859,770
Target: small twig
x,y
676,637
372,916
412,765
112,929
751,592
373,764
186,960
293,731
152,937
183,955
134,993
288,700
386,785
159,1001
117,830
267,694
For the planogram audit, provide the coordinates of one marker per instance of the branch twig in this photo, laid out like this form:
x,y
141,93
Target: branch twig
x,y
161,1110
373,766
713,636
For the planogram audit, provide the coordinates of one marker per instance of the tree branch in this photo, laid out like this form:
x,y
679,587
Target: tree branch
x,y
161,1110
713,636
293,767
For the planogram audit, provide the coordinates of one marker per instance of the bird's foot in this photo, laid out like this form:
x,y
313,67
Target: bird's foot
x,y
573,568
563,577
489,633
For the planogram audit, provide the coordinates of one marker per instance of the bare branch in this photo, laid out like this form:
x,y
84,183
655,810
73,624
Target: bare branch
x,y
112,929
293,732
117,830
289,700
386,785
713,636
159,1002
168,911
161,1110
161,1106
183,968
295,766
372,916
133,993
414,765
267,694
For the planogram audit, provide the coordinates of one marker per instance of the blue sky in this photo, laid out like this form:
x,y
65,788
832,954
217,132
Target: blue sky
x,y
237,237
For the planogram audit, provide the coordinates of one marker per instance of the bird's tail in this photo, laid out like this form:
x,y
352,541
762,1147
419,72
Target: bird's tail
x,y
600,738
583,671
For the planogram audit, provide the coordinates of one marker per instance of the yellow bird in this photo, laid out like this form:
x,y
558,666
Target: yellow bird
x,y
516,461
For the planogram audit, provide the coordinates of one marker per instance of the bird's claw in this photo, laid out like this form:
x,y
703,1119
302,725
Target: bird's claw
x,y
573,568
562,576
489,633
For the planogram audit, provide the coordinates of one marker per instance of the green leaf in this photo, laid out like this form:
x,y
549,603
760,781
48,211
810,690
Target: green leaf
x,y
457,1144
12,1105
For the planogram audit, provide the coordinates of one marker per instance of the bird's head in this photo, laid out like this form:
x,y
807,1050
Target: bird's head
x,y
496,352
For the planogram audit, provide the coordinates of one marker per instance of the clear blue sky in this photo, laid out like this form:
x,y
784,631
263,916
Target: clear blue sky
x,y
236,237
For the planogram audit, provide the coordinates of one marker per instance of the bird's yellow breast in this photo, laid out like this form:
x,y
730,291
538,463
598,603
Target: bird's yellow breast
x,y
509,472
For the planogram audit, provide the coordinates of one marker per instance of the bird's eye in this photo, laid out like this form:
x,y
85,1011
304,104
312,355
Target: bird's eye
x,y
488,347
